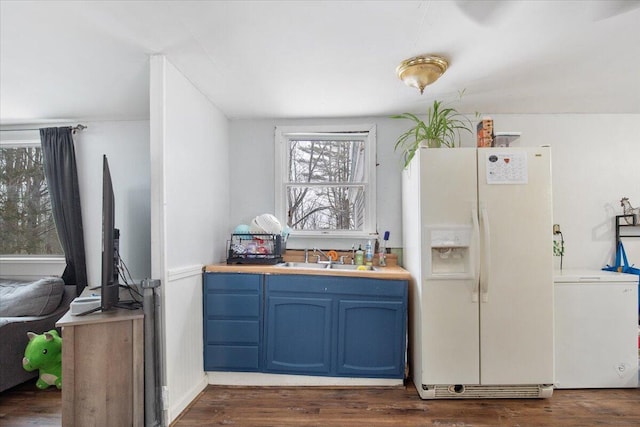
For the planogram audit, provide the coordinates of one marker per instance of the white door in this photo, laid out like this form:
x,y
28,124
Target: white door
x,y
450,341
516,305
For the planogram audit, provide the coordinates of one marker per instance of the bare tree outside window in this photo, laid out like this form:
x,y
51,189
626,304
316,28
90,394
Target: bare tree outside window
x,y
26,220
325,181
326,187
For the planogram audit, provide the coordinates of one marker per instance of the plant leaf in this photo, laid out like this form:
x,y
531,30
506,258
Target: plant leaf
x,y
442,127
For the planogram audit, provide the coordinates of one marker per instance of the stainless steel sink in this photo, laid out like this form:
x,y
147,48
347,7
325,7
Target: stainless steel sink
x,y
314,266
353,267
303,265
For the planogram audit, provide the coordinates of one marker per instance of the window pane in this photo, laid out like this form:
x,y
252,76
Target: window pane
x,y
26,220
325,181
324,207
323,161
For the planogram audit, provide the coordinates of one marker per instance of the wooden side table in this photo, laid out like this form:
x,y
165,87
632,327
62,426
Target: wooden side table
x,y
103,368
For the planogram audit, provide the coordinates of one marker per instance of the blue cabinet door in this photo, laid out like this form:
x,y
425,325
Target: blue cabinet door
x,y
298,334
371,338
336,326
232,322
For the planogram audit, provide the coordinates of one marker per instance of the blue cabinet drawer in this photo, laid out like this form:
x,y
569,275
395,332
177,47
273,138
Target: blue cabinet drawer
x,y
233,332
231,358
232,282
232,305
337,286
232,321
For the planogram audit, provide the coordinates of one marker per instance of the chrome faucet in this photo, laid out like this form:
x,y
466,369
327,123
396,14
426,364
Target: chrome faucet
x,y
328,261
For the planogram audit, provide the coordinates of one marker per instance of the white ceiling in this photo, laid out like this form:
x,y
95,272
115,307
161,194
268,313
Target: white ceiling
x,y
74,60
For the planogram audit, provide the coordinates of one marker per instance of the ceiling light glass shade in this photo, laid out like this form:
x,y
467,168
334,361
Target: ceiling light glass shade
x,y
421,71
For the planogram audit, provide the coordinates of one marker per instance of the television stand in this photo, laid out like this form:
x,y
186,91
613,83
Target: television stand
x,y
93,310
129,305
103,368
126,305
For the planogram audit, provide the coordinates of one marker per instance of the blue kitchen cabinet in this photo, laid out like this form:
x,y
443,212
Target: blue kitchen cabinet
x,y
233,312
298,334
335,326
371,337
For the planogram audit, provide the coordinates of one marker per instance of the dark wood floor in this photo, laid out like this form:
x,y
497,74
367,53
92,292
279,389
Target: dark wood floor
x,y
26,405
400,406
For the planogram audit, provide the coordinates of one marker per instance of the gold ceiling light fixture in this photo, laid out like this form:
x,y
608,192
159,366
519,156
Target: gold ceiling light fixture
x,y
421,71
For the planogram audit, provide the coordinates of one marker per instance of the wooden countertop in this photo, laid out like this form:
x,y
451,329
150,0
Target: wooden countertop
x,y
388,273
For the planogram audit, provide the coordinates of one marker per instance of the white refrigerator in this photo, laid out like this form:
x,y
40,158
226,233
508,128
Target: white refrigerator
x,y
477,234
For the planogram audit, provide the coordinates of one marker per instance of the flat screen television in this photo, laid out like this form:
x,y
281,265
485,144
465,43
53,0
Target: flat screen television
x,y
109,288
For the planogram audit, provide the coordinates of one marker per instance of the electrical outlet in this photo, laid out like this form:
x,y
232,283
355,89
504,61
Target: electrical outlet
x,y
165,397
556,228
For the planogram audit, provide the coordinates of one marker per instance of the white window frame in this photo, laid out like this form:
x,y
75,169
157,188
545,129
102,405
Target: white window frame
x,y
282,134
29,265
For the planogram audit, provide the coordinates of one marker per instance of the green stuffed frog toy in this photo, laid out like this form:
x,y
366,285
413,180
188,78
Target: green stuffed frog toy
x,y
44,352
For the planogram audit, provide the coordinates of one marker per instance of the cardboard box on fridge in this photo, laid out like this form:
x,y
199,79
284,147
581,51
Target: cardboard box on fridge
x,y
485,132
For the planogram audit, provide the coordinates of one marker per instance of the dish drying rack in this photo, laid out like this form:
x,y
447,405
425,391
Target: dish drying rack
x,y
255,248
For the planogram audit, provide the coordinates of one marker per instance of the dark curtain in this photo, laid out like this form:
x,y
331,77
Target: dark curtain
x,y
62,180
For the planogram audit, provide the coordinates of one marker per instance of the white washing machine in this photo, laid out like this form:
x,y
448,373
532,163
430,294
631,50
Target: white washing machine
x,y
596,329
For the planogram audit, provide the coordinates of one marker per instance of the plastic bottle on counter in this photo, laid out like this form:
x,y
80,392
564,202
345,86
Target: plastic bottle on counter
x,y
359,256
382,260
383,250
369,253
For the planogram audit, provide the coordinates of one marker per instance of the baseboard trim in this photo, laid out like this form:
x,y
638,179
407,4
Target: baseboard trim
x,y
262,379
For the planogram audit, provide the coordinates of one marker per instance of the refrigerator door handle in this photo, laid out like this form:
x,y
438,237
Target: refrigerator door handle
x,y
476,255
485,275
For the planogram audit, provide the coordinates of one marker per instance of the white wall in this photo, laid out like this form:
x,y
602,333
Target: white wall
x,y
126,145
190,216
595,163
251,163
196,175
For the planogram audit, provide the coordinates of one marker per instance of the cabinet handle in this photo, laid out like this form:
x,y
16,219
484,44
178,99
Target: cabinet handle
x,y
485,274
476,255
